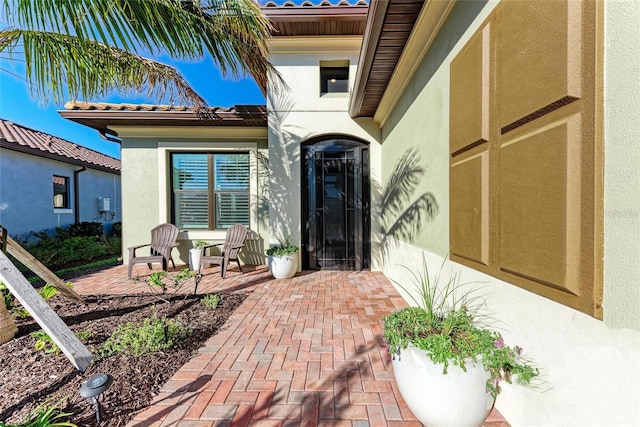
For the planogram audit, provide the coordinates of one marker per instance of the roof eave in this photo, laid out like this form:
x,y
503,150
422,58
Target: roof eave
x,y
426,26
53,156
373,27
101,120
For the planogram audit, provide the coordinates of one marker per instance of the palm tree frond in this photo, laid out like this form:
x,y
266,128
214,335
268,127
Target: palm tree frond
x,y
406,176
233,32
409,224
59,65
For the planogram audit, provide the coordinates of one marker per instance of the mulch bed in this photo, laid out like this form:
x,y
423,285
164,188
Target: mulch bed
x,y
32,378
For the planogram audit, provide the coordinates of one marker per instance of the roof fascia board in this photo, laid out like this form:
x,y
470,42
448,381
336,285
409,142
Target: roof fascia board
x,y
377,13
431,18
315,44
52,156
137,115
192,132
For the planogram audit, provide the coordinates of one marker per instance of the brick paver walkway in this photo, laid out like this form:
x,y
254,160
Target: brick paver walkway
x,y
306,351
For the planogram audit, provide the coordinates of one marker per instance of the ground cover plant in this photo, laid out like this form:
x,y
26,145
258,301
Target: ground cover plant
x,y
136,330
65,250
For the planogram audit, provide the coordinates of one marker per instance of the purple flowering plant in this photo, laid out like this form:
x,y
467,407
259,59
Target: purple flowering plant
x,y
446,323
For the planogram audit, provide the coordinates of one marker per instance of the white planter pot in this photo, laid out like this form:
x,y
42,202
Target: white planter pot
x,y
455,399
283,267
195,254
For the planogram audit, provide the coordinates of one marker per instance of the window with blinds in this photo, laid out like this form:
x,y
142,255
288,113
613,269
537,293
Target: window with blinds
x,y
210,190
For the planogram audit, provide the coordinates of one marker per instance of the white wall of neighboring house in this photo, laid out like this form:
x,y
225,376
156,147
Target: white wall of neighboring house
x,y
26,194
298,113
591,367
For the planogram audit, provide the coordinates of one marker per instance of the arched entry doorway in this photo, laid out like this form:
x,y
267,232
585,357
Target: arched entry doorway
x,y
336,204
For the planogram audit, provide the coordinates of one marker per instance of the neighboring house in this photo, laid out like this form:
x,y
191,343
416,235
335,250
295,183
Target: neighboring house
x,y
498,134
48,182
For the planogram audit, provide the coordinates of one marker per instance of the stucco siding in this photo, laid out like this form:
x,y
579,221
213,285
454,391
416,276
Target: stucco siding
x,y
147,201
622,157
140,192
286,133
591,368
26,194
299,113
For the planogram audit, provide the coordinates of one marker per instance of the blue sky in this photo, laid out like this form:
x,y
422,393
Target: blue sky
x,y
18,106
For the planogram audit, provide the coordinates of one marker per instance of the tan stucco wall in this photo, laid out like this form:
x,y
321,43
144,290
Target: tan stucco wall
x,y
298,114
140,209
145,162
591,368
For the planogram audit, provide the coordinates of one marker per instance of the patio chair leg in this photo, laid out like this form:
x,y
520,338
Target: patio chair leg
x,y
239,266
223,269
130,268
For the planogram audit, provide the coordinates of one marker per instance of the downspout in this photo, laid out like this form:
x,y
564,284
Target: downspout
x,y
76,192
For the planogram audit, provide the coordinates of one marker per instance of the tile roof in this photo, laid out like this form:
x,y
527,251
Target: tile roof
x,y
323,3
20,138
107,106
102,115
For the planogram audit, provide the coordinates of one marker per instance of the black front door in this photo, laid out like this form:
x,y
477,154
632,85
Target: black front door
x,y
336,205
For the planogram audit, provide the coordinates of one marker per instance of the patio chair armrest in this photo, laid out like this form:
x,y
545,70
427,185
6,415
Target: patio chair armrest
x,y
132,249
140,246
213,245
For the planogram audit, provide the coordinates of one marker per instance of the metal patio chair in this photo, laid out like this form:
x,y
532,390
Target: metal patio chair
x,y
163,239
233,242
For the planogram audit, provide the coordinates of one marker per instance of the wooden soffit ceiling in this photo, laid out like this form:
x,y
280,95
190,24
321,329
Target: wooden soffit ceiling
x,y
390,41
322,19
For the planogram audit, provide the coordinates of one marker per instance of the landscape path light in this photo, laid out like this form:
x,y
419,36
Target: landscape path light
x,y
93,388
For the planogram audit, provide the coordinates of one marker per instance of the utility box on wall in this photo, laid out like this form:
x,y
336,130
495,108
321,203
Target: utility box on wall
x,y
104,204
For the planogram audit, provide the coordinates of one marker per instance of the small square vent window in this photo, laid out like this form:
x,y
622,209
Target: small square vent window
x,y
334,80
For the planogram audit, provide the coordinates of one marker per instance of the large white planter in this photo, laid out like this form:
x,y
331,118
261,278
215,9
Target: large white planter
x,y
457,399
195,254
283,267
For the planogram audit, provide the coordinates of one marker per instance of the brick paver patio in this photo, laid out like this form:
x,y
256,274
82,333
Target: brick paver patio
x,y
306,351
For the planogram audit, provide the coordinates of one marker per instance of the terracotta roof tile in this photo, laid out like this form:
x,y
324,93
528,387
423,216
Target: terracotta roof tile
x,y
104,106
21,138
104,116
309,3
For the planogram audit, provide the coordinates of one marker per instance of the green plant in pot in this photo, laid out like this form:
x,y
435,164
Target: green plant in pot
x,y
447,363
283,259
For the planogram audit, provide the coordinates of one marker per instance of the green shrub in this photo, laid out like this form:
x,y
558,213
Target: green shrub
x,y
44,417
45,343
10,302
48,292
68,247
160,280
81,229
211,301
153,335
85,335
116,229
